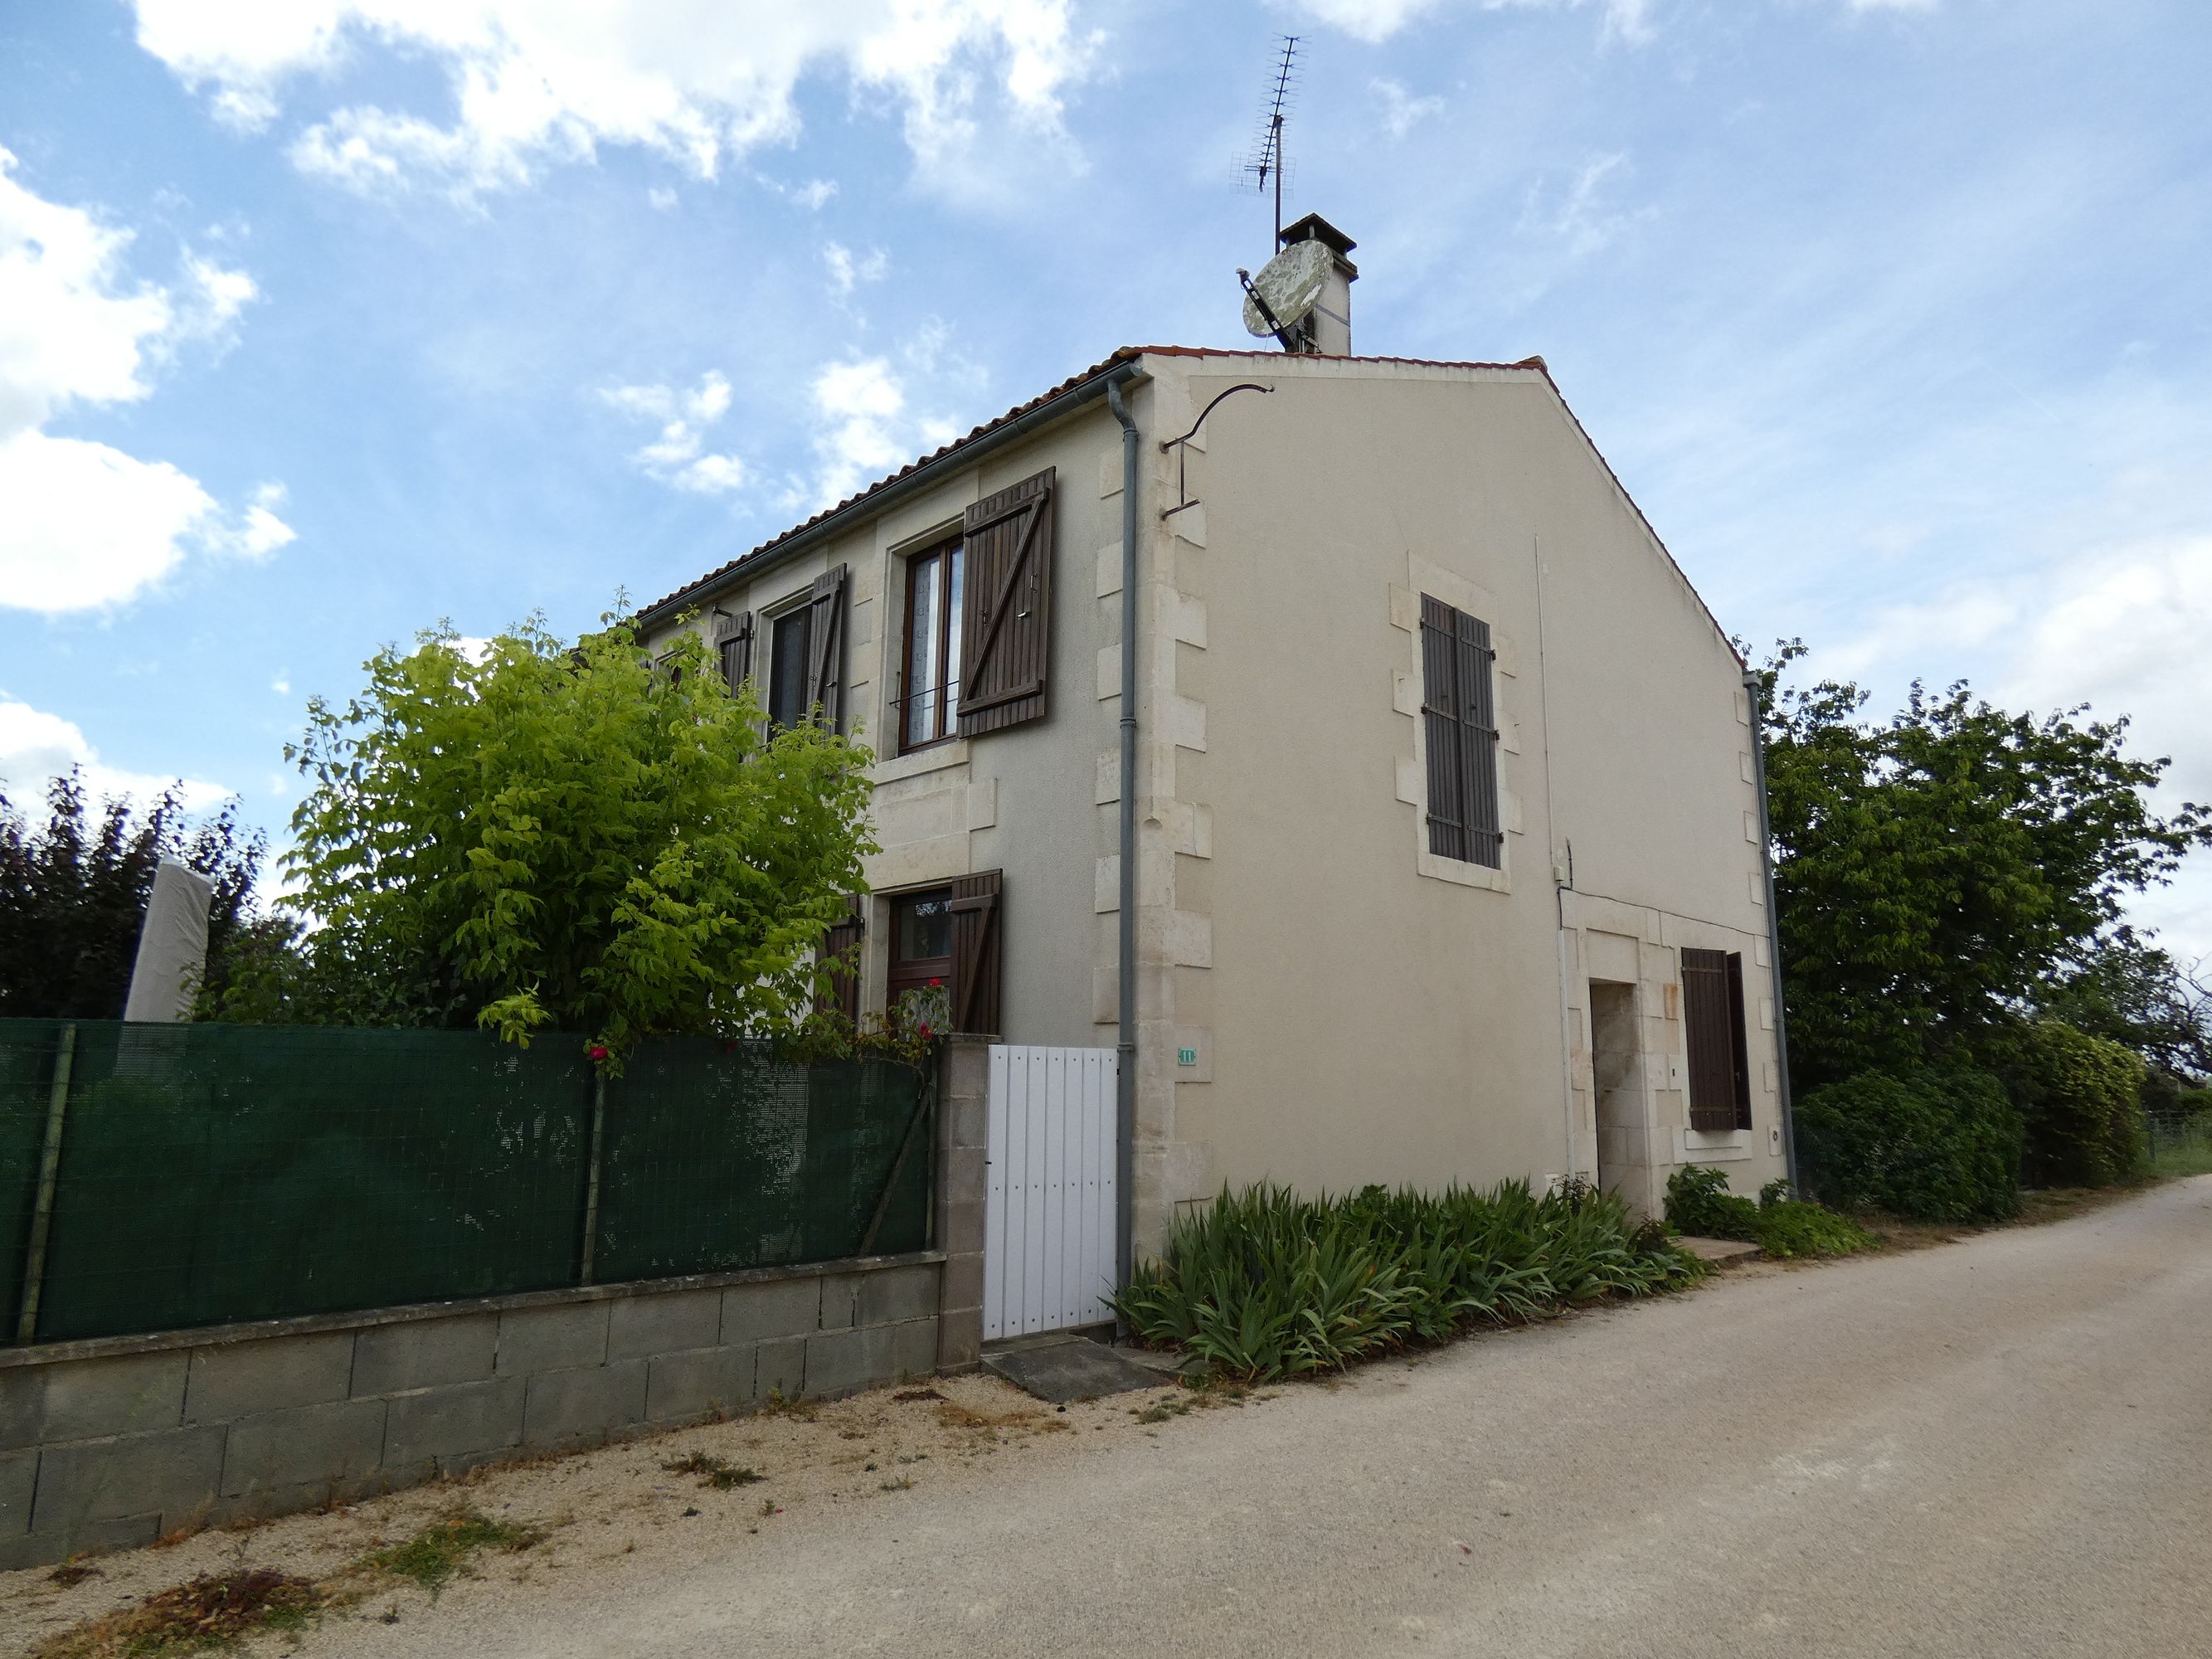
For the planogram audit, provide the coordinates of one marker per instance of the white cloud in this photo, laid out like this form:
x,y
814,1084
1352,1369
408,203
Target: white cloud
x,y
1401,111
86,524
1378,20
679,456
533,84
214,297
66,333
662,198
2121,628
260,532
858,403
36,746
847,270
1583,217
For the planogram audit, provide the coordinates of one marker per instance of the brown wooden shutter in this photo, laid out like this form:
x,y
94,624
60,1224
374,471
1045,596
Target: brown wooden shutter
x,y
976,931
841,943
1740,1040
1711,1040
1478,732
1440,721
1459,728
1005,607
825,647
733,643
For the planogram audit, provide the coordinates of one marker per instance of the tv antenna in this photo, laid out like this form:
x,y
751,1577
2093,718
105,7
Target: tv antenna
x,y
1264,165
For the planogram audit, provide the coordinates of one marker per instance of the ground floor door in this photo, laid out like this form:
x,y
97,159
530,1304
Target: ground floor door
x,y
1050,1198
1617,1086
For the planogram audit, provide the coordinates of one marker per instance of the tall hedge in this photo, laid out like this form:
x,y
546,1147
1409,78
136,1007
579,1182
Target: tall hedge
x,y
2081,1101
1933,1146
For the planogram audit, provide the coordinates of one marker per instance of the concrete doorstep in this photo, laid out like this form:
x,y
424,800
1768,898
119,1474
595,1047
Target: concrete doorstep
x,y
1070,1369
1720,1252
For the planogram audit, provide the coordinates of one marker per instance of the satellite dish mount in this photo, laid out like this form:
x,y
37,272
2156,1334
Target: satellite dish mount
x,y
1303,295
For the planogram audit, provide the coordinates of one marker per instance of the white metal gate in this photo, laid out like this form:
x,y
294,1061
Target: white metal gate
x,y
1048,1213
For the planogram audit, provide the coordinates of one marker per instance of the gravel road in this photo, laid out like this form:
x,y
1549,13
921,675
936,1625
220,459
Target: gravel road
x,y
2000,1447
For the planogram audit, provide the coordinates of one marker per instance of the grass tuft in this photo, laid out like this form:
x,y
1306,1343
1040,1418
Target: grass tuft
x,y
714,1471
435,1555
213,1611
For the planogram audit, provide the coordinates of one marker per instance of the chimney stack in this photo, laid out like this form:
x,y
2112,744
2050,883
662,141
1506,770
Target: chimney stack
x,y
1328,328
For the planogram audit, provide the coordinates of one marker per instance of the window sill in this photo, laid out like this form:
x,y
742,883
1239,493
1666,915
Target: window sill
x,y
1460,874
1712,1145
937,757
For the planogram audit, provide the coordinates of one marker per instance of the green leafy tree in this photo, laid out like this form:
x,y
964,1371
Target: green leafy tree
x,y
2080,1100
2135,993
1935,873
557,838
73,895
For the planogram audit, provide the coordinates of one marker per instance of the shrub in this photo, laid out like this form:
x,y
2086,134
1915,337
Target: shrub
x,y
1264,1283
1700,1204
2081,1103
1931,1145
549,837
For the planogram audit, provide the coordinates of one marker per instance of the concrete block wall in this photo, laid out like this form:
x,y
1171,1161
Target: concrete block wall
x,y
111,1443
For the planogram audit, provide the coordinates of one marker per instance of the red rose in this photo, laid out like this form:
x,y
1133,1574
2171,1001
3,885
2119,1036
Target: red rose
x,y
599,1051
925,1028
936,984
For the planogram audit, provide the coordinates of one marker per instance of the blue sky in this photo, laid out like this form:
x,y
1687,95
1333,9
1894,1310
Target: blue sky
x,y
322,321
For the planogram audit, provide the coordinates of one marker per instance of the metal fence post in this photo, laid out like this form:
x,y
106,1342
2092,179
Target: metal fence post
x,y
925,1096
42,1214
592,1186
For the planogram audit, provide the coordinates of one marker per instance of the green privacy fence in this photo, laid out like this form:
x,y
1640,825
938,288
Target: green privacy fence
x,y
155,1177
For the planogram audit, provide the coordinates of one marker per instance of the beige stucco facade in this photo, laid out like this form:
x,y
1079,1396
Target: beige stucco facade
x,y
1323,1001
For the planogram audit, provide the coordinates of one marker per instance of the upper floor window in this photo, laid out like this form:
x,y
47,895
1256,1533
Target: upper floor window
x,y
805,655
1459,721
789,702
929,680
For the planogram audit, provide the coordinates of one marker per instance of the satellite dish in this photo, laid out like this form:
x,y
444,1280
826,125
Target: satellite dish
x,y
1291,284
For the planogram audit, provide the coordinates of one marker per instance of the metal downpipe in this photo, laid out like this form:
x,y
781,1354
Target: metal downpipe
x,y
1125,1171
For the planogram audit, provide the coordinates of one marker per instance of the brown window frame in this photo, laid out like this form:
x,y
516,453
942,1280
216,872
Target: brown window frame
x,y
902,975
945,715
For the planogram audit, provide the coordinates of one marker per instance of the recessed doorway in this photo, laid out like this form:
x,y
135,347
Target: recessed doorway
x,y
1617,1078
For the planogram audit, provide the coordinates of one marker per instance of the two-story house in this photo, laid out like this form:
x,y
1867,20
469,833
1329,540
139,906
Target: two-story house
x,y
1448,860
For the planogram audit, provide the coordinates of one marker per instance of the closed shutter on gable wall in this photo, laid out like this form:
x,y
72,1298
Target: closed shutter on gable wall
x,y
977,929
1719,1051
1459,722
1005,621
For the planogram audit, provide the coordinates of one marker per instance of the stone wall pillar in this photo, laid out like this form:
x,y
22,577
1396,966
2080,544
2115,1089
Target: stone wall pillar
x,y
962,1139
